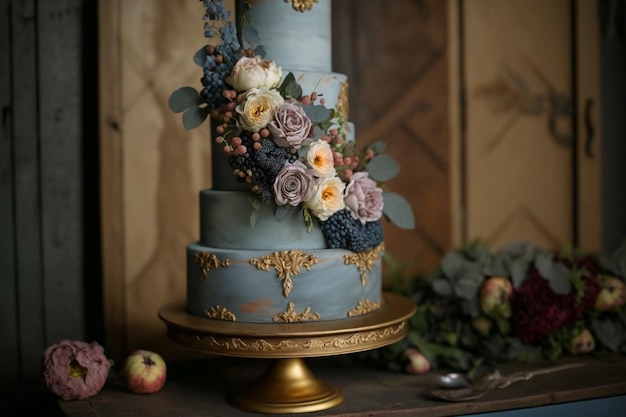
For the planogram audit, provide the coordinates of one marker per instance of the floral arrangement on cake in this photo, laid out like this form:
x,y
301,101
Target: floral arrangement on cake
x,y
286,144
480,307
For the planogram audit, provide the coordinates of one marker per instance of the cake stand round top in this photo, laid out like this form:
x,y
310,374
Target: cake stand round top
x,y
290,340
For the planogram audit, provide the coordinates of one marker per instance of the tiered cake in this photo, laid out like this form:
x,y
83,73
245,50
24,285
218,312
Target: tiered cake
x,y
290,230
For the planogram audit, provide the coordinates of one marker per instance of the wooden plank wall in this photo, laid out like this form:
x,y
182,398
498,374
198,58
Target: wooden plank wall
x,y
41,184
152,169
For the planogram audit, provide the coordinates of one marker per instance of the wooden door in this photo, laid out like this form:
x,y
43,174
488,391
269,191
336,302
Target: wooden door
x,y
524,176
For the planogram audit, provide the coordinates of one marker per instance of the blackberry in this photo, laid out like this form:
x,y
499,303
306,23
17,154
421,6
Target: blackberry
x,y
342,231
262,165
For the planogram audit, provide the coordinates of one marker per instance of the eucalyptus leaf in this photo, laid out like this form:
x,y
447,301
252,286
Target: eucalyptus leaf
x,y
378,147
194,117
518,268
281,212
398,210
557,274
382,168
250,36
467,287
442,287
200,56
318,113
260,51
452,264
184,98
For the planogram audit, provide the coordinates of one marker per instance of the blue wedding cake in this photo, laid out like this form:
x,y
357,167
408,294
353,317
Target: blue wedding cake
x,y
291,229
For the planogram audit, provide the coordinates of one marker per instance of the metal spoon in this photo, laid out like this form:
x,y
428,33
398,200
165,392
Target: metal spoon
x,y
494,380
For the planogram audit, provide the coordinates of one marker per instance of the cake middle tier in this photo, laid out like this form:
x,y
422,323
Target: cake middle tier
x,y
229,220
282,286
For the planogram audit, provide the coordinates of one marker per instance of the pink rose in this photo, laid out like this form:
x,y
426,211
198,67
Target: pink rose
x,y
293,184
364,198
291,126
74,370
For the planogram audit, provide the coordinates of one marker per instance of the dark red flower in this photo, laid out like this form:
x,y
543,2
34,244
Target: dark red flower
x,y
538,311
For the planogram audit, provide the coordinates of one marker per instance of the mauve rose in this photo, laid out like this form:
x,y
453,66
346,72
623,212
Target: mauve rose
x,y
254,73
74,370
293,184
291,126
364,198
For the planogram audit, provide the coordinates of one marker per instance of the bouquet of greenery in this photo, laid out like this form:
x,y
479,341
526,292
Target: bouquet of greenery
x,y
480,307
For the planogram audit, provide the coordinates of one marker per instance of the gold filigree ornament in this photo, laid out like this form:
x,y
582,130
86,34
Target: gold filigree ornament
x,y
365,261
286,263
290,316
342,102
301,5
364,306
209,261
219,313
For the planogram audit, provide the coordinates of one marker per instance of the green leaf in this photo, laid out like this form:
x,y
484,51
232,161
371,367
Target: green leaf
x,y
290,87
378,147
557,274
318,113
184,98
382,168
398,210
442,287
452,264
194,117
200,56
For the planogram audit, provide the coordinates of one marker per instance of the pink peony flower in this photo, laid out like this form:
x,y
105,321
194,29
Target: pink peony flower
x,y
291,126
364,198
293,184
74,370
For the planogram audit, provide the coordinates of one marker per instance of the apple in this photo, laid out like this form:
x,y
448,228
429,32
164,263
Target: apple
x,y
144,372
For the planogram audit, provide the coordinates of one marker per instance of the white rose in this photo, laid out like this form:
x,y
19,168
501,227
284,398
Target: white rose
x,y
254,73
327,198
320,157
258,109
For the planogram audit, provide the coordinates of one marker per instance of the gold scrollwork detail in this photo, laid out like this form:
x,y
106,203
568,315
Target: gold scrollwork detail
x,y
286,263
364,306
290,316
365,261
342,101
301,5
237,344
209,261
219,313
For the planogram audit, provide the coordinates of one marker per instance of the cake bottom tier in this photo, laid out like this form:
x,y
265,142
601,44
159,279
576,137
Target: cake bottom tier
x,y
282,286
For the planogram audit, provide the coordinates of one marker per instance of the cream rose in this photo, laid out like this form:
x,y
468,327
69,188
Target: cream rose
x,y
327,197
254,72
258,109
320,157
364,198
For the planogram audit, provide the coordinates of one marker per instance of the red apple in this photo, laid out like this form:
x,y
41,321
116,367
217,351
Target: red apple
x,y
144,372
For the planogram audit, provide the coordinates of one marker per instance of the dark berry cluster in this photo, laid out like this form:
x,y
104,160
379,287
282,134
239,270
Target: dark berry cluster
x,y
260,164
342,231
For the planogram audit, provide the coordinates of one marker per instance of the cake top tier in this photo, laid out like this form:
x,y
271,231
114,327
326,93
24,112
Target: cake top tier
x,y
294,33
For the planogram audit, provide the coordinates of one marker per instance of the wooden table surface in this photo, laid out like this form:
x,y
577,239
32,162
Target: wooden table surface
x,y
200,387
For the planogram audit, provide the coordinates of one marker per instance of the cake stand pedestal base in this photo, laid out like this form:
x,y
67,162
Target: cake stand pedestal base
x,y
288,386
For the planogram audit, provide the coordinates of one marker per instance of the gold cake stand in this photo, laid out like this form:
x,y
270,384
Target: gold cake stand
x,y
288,386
